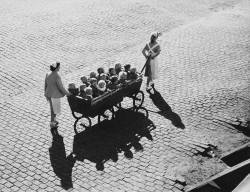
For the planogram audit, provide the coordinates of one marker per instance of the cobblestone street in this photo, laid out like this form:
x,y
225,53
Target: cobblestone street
x,y
202,90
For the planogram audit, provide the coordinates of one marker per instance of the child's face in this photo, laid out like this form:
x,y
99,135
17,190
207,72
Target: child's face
x,y
84,79
103,77
112,71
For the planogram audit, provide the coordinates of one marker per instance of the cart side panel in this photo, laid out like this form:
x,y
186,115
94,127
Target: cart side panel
x,y
79,105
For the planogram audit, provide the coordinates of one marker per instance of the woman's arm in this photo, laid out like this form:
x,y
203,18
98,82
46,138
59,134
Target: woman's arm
x,y
61,87
144,52
158,50
45,85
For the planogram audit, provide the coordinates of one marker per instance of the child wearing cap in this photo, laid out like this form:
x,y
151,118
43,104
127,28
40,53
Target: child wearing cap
x,y
101,86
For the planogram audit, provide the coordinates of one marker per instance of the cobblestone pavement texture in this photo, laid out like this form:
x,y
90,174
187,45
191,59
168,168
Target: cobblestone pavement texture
x,y
204,77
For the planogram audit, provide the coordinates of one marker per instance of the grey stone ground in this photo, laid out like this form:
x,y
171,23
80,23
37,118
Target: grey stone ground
x,y
204,77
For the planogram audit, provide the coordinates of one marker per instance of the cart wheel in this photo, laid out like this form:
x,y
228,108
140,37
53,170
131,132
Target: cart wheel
x,y
138,99
119,106
108,114
143,111
81,124
113,112
76,115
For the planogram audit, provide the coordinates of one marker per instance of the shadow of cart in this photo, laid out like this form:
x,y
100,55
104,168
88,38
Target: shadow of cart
x,y
105,140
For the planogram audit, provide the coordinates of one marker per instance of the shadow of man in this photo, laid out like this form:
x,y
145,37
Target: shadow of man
x,y
62,165
165,109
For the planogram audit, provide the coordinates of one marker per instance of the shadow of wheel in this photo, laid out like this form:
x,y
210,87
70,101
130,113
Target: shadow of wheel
x,y
138,99
107,115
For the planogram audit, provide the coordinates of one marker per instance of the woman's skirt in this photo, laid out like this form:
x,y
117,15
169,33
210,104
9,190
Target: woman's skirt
x,y
151,68
56,105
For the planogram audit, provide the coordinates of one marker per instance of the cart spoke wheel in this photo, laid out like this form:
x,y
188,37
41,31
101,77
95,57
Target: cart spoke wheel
x,y
113,112
108,114
118,106
81,124
138,99
76,115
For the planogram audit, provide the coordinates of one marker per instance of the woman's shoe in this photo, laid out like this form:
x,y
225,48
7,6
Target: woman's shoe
x,y
148,89
153,85
53,124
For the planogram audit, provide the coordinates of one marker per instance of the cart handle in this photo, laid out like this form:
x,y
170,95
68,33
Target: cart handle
x,y
145,65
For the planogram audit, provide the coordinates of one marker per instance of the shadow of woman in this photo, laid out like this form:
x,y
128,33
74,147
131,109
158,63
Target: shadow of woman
x,y
105,140
165,109
62,165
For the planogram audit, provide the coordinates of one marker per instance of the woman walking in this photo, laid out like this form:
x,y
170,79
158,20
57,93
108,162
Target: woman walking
x,y
150,52
53,91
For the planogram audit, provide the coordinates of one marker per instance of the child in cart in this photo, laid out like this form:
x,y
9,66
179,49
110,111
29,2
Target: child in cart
x,y
132,75
84,80
93,85
72,89
100,71
101,86
89,93
113,83
82,91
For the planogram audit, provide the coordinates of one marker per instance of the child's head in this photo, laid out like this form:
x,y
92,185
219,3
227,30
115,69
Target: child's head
x,y
93,81
103,76
122,75
100,70
88,91
72,89
92,75
82,87
113,79
101,85
118,68
133,70
111,71
84,79
127,67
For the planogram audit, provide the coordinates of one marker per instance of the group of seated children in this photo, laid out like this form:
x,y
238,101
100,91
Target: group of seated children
x,y
99,83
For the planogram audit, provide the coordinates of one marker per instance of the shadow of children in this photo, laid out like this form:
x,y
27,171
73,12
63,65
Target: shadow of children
x,y
62,165
105,140
165,109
